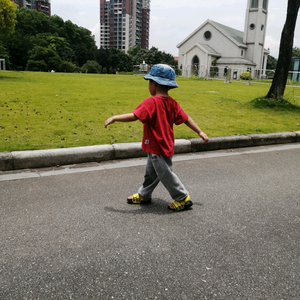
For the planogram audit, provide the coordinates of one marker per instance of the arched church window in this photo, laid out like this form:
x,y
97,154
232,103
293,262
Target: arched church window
x,y
195,65
265,4
254,4
195,60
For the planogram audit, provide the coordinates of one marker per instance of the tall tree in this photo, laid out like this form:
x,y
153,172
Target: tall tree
x,y
16,42
271,63
112,60
285,51
72,43
296,52
7,17
32,22
43,59
151,57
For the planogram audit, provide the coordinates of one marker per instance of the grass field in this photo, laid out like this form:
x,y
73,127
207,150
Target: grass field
x,y
55,110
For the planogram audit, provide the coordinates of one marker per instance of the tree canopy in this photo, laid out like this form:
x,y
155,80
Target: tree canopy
x,y
54,44
296,52
7,17
151,57
34,29
271,63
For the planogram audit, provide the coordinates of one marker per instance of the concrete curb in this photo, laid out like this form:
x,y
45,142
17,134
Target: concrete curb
x,y
47,158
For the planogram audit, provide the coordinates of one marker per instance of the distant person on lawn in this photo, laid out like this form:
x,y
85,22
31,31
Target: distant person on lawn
x,y
158,114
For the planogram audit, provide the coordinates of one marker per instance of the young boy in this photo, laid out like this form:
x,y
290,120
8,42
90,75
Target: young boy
x,y
158,114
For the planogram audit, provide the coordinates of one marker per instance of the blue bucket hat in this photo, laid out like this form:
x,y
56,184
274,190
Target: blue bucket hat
x,y
163,75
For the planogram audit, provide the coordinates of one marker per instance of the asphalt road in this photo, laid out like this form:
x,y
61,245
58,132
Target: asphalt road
x,y
67,233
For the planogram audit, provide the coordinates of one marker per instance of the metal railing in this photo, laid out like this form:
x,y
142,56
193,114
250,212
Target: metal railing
x,y
232,73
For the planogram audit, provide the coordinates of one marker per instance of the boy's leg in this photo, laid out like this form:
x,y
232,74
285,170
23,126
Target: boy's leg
x,y
163,167
151,180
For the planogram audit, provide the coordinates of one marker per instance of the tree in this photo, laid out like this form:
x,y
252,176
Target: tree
x,y
271,63
7,17
69,67
134,50
113,60
32,22
91,66
72,43
151,57
13,44
59,44
29,24
57,25
81,42
296,52
285,51
43,59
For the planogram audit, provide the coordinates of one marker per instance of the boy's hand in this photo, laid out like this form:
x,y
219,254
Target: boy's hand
x,y
204,137
109,121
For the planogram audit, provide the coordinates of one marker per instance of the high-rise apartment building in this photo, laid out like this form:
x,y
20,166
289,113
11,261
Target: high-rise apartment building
x,y
40,5
124,23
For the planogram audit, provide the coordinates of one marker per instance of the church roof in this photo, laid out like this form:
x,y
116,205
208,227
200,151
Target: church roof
x,y
234,33
234,60
209,49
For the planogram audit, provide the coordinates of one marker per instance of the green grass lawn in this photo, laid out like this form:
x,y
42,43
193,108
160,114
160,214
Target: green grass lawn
x,y
55,110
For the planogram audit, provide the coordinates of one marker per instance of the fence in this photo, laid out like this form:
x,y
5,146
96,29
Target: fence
x,y
144,69
227,73
221,72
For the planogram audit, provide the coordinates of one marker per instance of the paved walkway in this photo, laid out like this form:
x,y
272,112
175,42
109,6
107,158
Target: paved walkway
x,y
72,235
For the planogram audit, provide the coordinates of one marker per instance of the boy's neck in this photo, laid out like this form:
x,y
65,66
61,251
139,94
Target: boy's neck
x,y
161,91
162,94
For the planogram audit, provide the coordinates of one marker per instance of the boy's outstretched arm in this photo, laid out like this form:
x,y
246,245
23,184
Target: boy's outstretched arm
x,y
190,123
121,118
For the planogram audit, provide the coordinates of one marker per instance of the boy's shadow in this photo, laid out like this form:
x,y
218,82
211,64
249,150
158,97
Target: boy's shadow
x,y
157,207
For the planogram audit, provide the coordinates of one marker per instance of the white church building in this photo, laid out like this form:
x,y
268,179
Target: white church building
x,y
213,49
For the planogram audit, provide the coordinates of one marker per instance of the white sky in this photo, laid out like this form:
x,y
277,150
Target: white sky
x,y
171,21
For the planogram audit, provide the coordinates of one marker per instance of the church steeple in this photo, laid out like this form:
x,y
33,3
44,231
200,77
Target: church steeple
x,y
255,30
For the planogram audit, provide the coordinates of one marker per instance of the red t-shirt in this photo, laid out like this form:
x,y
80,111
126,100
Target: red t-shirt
x,y
158,114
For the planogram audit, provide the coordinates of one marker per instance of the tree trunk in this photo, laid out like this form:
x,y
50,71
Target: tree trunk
x,y
285,51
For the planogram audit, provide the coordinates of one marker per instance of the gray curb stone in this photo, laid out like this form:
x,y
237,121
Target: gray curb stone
x,y
182,146
216,143
273,138
297,136
65,156
6,161
47,158
128,150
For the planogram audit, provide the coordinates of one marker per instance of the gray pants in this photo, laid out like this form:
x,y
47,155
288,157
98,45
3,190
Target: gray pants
x,y
159,168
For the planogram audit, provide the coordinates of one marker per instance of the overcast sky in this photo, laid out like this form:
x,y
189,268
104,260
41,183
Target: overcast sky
x,y
171,21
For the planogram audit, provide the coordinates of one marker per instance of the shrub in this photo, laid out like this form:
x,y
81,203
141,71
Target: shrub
x,y
36,65
111,70
43,59
246,76
68,67
91,66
